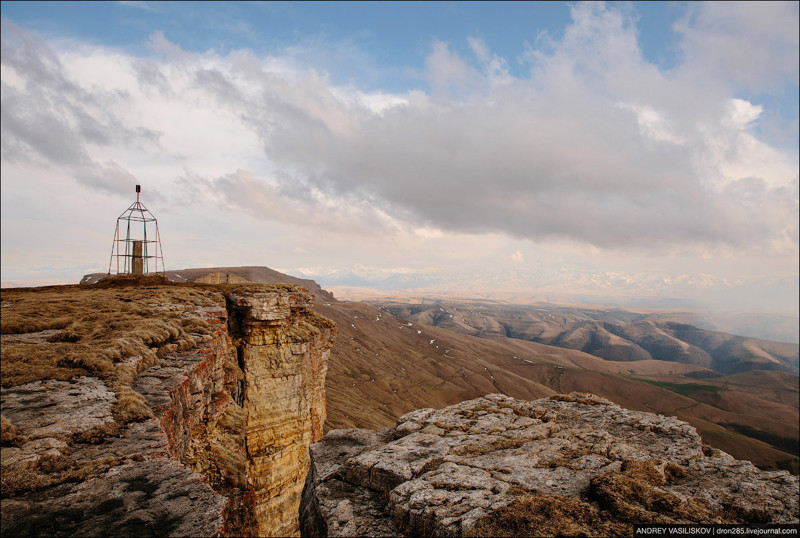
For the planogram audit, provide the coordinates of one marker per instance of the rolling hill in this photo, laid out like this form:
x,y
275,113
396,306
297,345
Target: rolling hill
x,y
616,335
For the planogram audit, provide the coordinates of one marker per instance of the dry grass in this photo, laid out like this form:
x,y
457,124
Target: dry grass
x,y
96,435
9,435
634,495
615,501
98,329
49,471
540,515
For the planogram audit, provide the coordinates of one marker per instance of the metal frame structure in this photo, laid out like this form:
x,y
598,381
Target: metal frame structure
x,y
134,223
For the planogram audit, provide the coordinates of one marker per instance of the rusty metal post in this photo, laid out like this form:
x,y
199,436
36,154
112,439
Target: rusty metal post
x,y
137,261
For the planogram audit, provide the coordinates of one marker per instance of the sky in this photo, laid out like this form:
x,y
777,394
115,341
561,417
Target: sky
x,y
626,149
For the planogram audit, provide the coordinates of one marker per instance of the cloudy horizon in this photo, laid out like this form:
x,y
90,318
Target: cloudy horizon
x,y
659,146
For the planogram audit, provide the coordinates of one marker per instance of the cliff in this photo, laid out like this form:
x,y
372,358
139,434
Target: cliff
x,y
382,367
233,406
565,465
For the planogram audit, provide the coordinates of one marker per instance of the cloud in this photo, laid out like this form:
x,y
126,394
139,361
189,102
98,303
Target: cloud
x,y
751,45
159,44
242,191
49,118
595,145
447,72
147,6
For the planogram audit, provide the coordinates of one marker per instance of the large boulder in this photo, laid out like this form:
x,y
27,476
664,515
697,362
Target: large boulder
x,y
497,465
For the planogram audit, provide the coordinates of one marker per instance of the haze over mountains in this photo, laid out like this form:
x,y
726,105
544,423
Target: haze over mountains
x,y
615,335
572,279
709,302
383,366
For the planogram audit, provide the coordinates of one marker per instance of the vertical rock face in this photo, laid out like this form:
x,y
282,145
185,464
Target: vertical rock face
x,y
245,417
282,348
245,414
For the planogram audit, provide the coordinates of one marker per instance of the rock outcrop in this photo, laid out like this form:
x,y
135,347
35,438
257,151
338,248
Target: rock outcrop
x,y
574,464
225,454
283,348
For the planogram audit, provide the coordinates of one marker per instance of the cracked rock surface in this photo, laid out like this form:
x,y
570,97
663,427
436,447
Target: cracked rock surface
x,y
451,471
52,408
148,498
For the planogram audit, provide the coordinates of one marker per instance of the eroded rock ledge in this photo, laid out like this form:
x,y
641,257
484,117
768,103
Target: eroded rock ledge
x,y
226,452
578,463
282,347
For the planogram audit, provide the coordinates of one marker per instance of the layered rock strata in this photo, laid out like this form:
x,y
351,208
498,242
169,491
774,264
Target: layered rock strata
x,y
579,463
283,348
225,454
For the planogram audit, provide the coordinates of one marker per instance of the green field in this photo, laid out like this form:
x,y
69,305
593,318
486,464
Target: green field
x,y
685,389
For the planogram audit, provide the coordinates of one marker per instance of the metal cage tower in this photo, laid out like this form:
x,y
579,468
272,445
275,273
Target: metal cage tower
x,y
137,242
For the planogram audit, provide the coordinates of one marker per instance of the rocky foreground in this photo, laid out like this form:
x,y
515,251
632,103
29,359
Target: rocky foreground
x,y
569,464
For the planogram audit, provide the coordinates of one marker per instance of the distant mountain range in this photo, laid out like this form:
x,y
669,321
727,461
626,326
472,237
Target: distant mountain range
x,y
614,335
567,277
763,308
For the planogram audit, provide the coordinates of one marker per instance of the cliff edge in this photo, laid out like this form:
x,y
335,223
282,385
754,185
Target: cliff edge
x,y
565,465
159,409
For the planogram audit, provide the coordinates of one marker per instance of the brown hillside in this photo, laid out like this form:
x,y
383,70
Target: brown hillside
x,y
616,335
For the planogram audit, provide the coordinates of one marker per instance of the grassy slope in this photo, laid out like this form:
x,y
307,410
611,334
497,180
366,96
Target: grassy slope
x,y
617,335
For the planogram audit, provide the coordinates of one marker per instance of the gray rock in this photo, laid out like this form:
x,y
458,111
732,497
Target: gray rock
x,y
28,454
150,498
440,471
58,408
332,506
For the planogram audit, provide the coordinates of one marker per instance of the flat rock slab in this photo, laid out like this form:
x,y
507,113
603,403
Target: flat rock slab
x,y
140,439
58,408
29,338
149,498
439,472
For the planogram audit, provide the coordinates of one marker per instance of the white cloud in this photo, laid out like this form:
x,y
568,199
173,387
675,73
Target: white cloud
x,y
450,76
595,148
147,6
652,123
750,45
742,113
